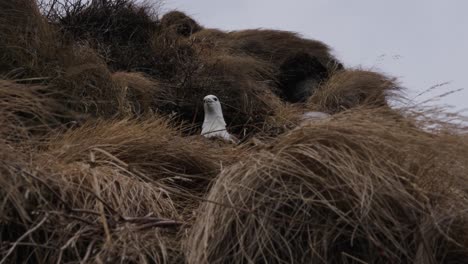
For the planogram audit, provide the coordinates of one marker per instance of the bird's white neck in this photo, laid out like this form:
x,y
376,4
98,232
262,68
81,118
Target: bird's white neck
x,y
214,120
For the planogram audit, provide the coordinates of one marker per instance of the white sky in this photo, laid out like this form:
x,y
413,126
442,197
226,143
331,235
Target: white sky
x,y
422,42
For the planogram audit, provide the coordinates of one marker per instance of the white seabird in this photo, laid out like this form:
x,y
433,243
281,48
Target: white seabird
x,y
310,118
313,116
214,124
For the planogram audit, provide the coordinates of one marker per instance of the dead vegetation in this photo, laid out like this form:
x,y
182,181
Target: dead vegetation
x,y
357,188
28,45
180,23
101,161
119,30
351,88
116,190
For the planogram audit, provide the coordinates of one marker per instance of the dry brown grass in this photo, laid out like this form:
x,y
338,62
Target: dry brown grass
x,y
210,36
353,88
180,23
140,93
173,56
284,118
119,30
79,226
275,46
84,83
28,44
59,205
294,59
99,161
110,190
358,188
27,111
151,146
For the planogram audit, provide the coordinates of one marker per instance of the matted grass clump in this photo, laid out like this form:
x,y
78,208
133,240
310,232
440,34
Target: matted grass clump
x,y
299,64
180,24
276,46
58,212
360,188
151,146
100,158
84,83
105,191
140,94
354,88
27,111
28,44
120,30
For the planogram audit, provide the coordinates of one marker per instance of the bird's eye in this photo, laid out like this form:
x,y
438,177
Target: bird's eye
x,y
215,99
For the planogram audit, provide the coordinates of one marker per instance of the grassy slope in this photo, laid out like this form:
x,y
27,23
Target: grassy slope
x,y
101,161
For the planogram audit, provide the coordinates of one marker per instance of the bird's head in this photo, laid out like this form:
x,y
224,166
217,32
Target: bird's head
x,y
212,105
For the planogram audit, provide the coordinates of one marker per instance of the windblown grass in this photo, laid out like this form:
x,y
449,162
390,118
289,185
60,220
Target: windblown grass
x,y
120,30
101,161
108,190
180,23
140,94
78,211
28,44
27,111
352,88
358,188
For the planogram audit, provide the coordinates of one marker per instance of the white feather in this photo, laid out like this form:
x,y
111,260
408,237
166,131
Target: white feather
x,y
213,123
312,116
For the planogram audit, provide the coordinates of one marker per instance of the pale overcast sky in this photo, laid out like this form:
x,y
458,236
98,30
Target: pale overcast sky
x,y
422,42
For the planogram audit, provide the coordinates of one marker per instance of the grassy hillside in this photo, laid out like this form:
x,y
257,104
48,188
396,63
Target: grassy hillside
x,y
101,160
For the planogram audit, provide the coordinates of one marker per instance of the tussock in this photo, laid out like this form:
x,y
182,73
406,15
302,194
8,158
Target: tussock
x,y
139,93
26,111
284,118
81,211
110,190
28,44
101,158
358,188
120,30
215,36
276,46
353,88
180,23
301,63
85,84
300,75
211,41
151,146
172,56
